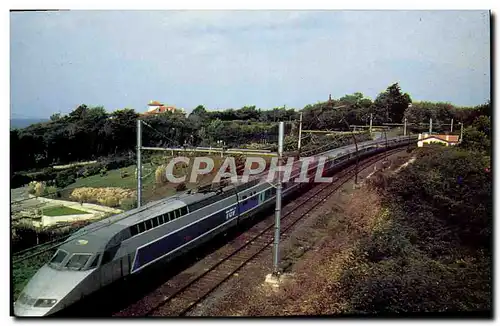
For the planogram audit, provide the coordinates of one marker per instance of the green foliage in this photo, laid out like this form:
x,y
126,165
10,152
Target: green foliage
x,y
474,139
128,204
355,109
90,133
454,186
49,191
65,178
483,124
430,250
390,105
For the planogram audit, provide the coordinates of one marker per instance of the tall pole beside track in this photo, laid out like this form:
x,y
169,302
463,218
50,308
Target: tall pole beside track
x,y
461,131
300,133
451,126
278,202
356,145
404,130
386,144
371,121
430,126
139,162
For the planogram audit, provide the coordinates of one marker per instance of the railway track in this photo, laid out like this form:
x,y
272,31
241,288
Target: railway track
x,y
185,290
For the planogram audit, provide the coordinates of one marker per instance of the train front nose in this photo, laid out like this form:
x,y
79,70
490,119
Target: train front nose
x,y
23,310
49,291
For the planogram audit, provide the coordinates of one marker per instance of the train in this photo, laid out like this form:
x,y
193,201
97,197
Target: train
x,y
124,244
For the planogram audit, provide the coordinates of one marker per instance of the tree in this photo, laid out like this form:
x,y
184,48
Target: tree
x,y
483,124
389,106
55,117
474,139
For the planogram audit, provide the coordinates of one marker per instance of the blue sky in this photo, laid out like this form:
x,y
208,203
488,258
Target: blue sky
x,y
225,59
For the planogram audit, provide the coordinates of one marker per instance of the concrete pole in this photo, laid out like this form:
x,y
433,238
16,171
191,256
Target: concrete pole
x,y
278,202
451,127
430,126
386,145
461,131
371,121
300,133
139,162
355,144
404,130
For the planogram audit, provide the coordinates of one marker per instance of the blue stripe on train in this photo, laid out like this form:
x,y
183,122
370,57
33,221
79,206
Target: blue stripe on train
x,y
165,245
248,204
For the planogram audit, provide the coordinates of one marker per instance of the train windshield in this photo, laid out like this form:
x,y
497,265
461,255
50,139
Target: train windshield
x,y
58,258
78,261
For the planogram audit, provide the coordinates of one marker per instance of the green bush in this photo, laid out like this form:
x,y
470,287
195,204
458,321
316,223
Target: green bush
x,y
431,253
65,178
128,204
454,186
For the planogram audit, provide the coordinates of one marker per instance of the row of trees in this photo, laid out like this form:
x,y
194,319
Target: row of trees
x,y
91,132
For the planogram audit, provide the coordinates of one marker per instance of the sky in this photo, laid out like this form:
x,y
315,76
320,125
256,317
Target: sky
x,y
229,59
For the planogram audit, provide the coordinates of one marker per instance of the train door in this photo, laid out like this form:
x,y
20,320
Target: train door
x,y
110,267
262,197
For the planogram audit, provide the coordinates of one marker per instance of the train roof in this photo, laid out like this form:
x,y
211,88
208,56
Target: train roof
x,y
99,233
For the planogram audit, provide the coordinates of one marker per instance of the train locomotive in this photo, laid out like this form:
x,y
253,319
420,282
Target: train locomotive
x,y
111,249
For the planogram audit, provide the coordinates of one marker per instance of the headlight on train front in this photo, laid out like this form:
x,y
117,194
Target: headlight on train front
x,y
45,303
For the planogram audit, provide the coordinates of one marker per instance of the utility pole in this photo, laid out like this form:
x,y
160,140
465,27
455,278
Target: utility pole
x,y
404,130
300,133
461,131
139,162
278,202
451,128
356,144
371,120
386,144
430,126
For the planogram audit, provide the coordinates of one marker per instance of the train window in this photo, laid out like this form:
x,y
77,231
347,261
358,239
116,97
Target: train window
x,y
141,227
134,230
59,257
78,261
183,210
95,261
162,219
155,221
109,254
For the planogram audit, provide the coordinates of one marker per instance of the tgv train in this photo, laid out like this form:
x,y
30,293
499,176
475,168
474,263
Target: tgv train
x,y
111,249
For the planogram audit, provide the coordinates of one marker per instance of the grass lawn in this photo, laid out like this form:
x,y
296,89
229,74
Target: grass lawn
x,y
61,210
114,179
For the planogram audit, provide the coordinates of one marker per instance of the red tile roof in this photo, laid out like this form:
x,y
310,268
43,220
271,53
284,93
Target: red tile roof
x,y
161,109
451,138
155,103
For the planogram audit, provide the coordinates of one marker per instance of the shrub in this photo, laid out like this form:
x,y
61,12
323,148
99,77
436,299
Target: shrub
x,y
50,190
36,188
161,175
111,196
65,178
128,204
